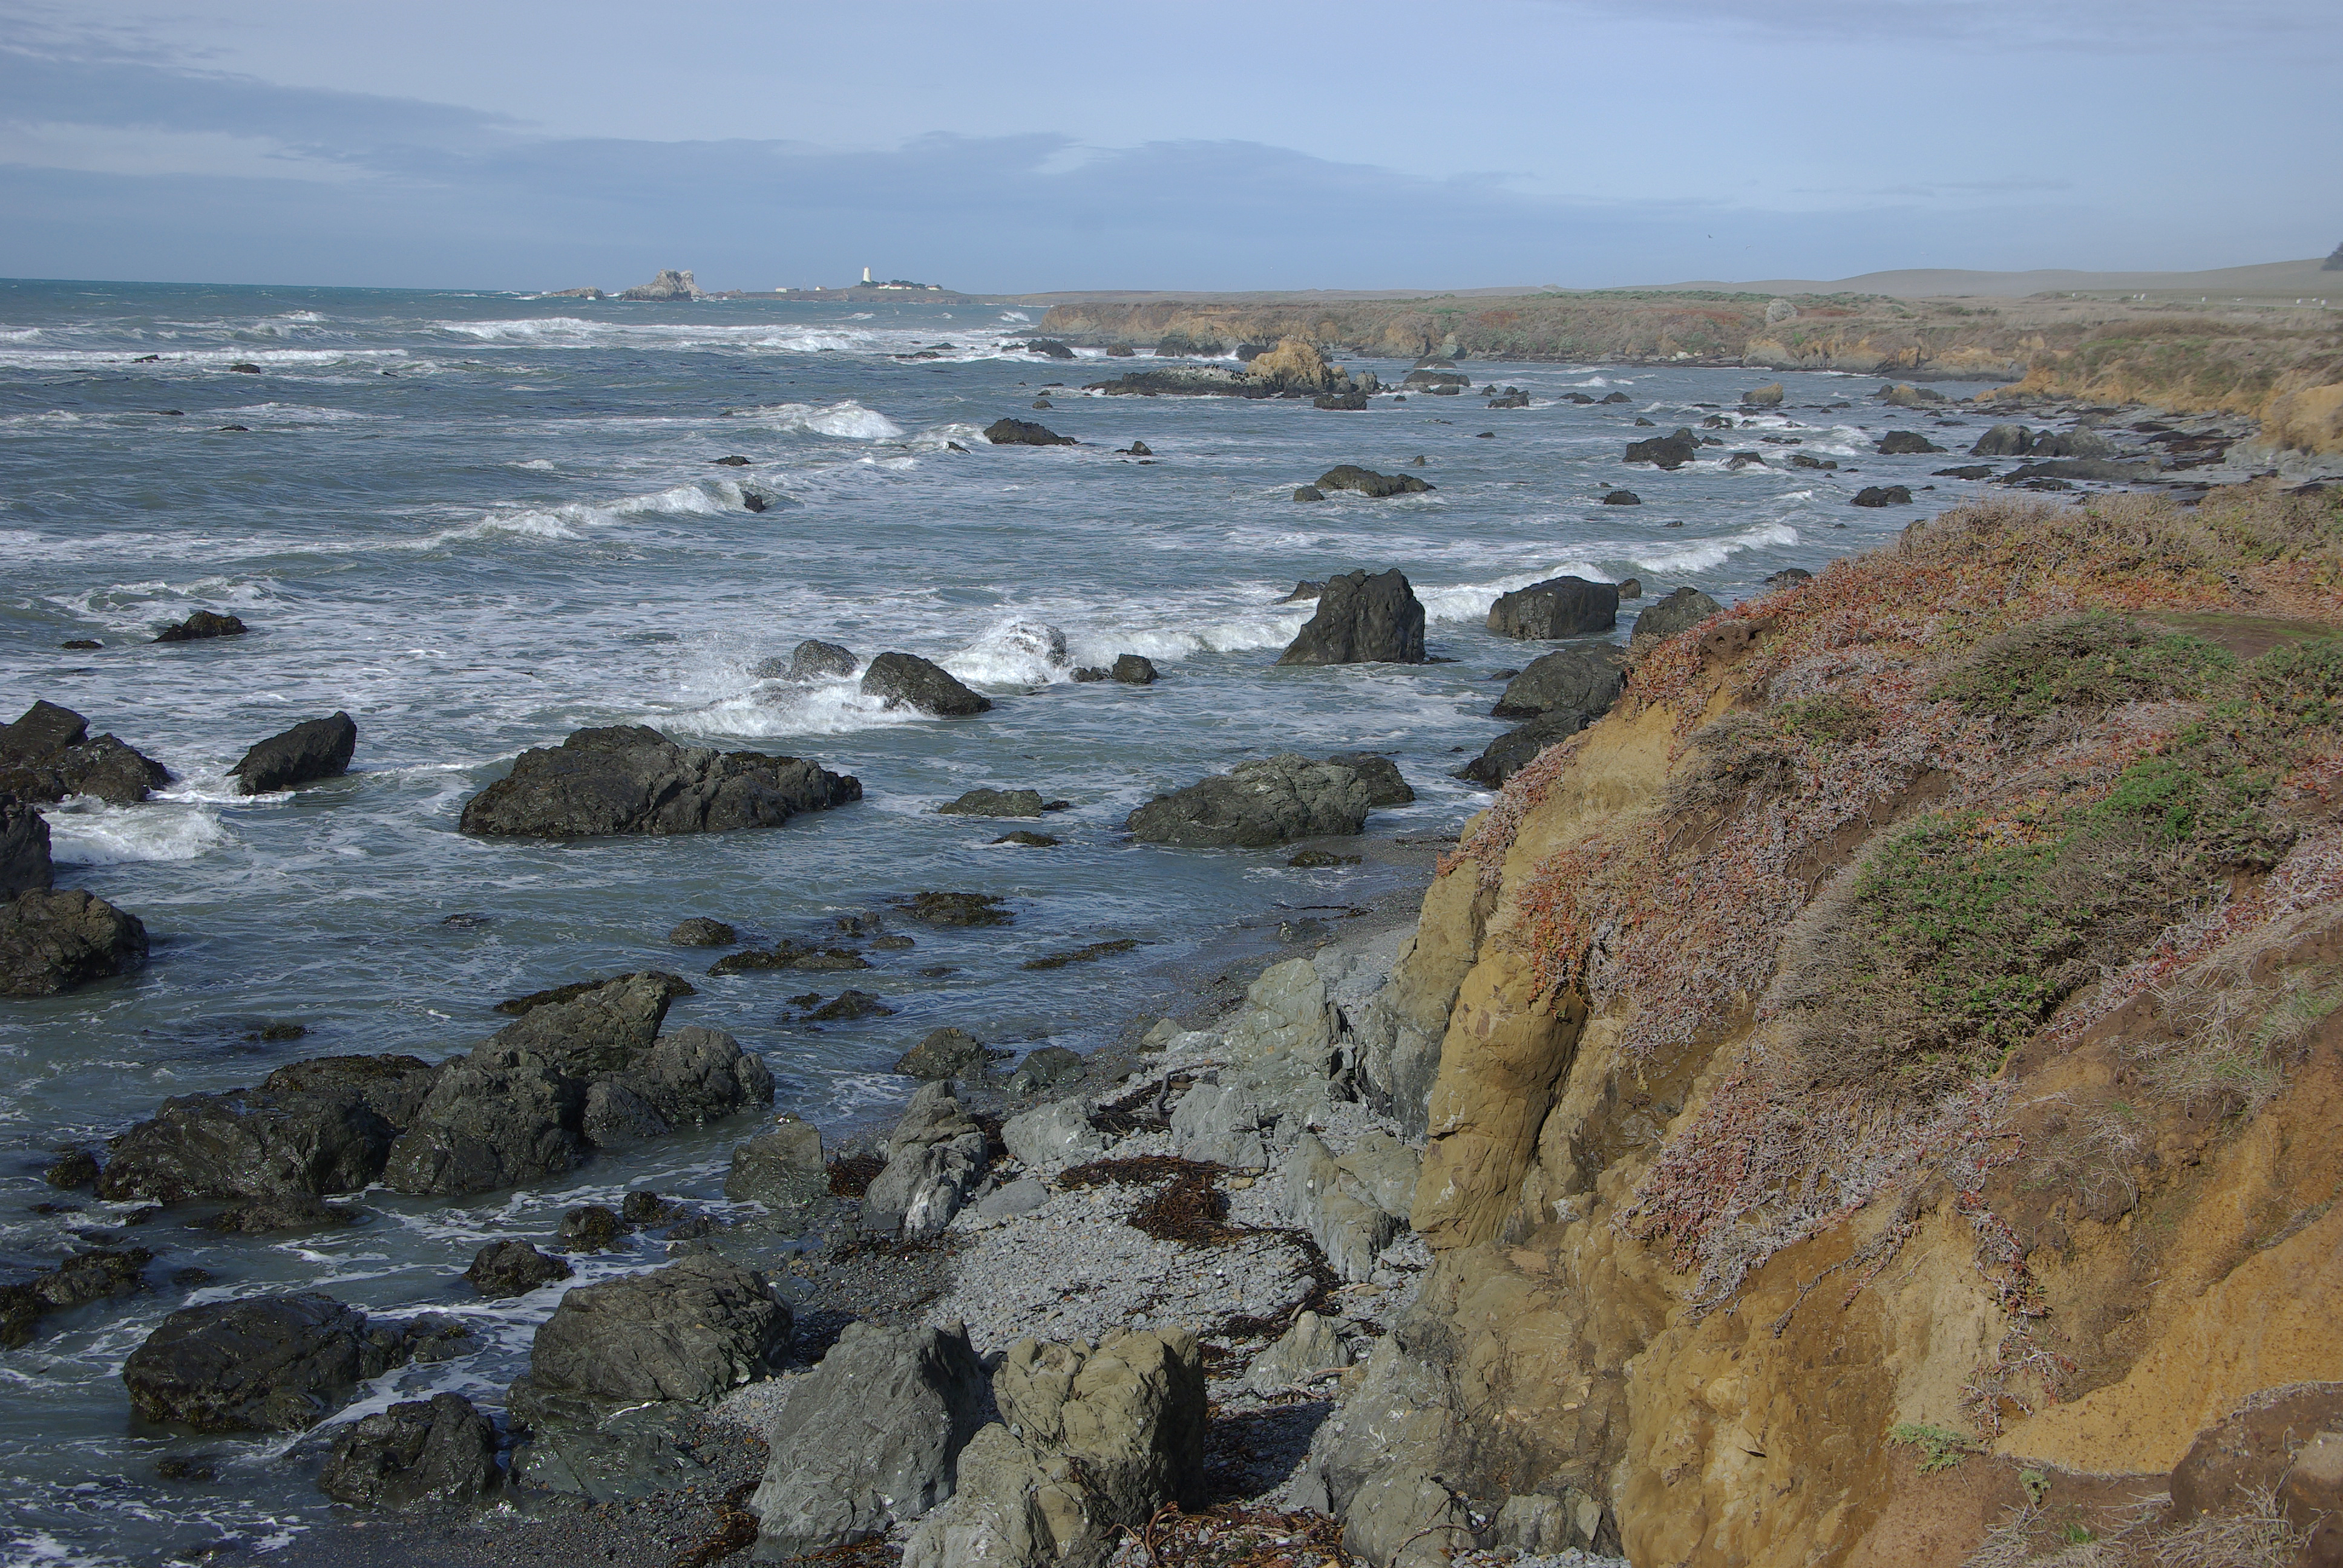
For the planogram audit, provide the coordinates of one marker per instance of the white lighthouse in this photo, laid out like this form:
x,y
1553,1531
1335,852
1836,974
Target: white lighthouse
x,y
866,275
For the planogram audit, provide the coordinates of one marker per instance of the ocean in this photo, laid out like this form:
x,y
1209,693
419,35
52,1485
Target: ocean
x,y
479,521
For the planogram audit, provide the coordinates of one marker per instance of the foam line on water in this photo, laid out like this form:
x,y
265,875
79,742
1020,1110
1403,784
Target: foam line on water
x,y
86,832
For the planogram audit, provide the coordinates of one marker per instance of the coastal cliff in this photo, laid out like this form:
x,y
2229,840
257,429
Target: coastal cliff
x,y
1884,1108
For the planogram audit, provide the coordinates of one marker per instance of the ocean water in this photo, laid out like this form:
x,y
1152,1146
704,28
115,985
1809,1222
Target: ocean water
x,y
478,522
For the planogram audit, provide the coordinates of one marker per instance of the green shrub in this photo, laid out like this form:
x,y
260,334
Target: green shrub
x,y
2095,661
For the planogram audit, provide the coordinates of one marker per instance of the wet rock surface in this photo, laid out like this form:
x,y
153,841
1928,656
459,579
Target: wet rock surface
x,y
318,748
905,680
265,1364
1272,801
513,1268
1361,619
631,779
56,940
437,1450
1554,609
46,754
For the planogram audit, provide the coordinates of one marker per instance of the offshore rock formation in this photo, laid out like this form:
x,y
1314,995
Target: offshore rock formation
x,y
669,284
627,778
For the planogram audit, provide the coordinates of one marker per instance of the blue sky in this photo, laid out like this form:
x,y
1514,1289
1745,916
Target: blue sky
x,y
1116,143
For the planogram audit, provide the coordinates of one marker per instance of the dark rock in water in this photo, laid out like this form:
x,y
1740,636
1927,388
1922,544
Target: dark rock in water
x,y
995,803
503,1269
53,939
847,1006
1902,443
1965,471
957,908
46,755
1801,460
1789,576
2071,444
265,1364
689,1333
1670,451
788,955
1050,347
203,624
1631,587
699,931
782,1168
1138,449
1272,801
1622,499
1134,669
72,1168
811,659
1089,953
590,1228
1349,402
643,1207
1367,482
1435,378
294,1212
1556,608
1570,679
1120,351
1181,381
1883,495
627,778
317,1127
80,644
2004,441
439,1449
244,367
1320,859
900,678
1511,400
77,1281
25,864
1043,403
1303,591
1643,424
734,461
1024,433
1386,786
1030,840
945,1053
1739,460
1616,398
1907,395
522,1006
319,748
1091,675
1308,493
1515,749
1581,398
1688,607
1361,619
1766,397
753,502
2091,468
868,1439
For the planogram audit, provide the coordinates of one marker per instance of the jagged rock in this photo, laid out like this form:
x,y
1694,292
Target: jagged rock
x,y
689,1333
1091,1441
1766,397
1518,747
1554,609
2004,441
25,864
1307,493
265,1364
629,779
1221,1124
1182,381
1305,591
319,748
1134,669
503,1269
945,1053
868,1439
1049,348
1313,1345
1670,451
1806,460
72,1168
811,659
1385,785
1367,482
897,679
53,939
995,803
46,755
1361,619
439,1449
788,955
1255,804
202,624
934,1159
1058,1134
1887,495
590,1228
668,284
76,1280
1907,395
1024,433
849,1005
1571,679
1373,1462
1280,1044
294,1212
1904,442
1350,402
699,931
314,1127
1685,608
1296,366
1325,1200
936,909
783,1170
1045,1069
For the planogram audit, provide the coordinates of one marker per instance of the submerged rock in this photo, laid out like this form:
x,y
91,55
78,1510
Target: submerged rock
x,y
1361,619
202,624
77,1281
54,939
631,779
319,748
898,679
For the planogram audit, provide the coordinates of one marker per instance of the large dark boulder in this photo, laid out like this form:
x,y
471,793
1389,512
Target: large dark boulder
x,y
1361,619
898,679
1556,608
1887,496
314,1127
1367,482
54,939
1133,669
1256,804
629,779
1687,606
995,803
46,755
1906,443
944,1053
267,1364
814,659
1579,680
1672,450
77,1281
24,850
1182,381
1024,433
1381,775
689,1333
783,1169
504,1269
2004,441
868,1439
201,624
319,748
1516,749
436,1450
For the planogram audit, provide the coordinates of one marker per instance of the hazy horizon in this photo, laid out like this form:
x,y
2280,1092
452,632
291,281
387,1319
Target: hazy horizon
x,y
1203,148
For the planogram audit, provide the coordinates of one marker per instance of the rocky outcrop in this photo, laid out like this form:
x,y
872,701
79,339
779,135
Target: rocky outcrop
x,y
1672,450
1367,482
1058,1134
1766,397
1555,608
688,1334
1518,747
513,1268
783,1169
1256,804
1024,433
318,748
628,779
1352,1207
997,803
46,755
935,1157
1904,442
1133,669
1091,1441
667,285
1681,610
439,1449
868,1439
24,865
203,625
1883,495
265,1364
103,1274
905,680
1361,619
54,939
1577,680
1386,786
944,1053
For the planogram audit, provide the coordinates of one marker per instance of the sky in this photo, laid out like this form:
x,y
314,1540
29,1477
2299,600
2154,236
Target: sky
x,y
1141,144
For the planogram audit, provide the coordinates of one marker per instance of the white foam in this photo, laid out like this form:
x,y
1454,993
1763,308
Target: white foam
x,y
1014,316
1704,555
86,832
848,418
1014,652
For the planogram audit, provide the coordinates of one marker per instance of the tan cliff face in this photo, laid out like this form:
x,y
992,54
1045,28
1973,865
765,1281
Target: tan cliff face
x,y
1793,1238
